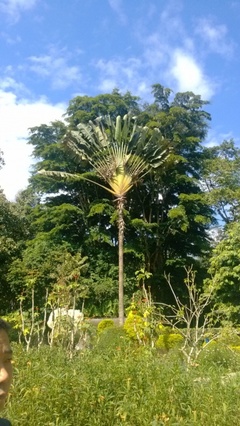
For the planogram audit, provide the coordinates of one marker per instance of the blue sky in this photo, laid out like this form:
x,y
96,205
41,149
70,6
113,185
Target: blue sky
x,y
51,51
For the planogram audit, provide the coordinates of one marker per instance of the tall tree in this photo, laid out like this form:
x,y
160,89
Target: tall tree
x,y
221,180
83,109
12,236
120,153
224,272
175,215
167,215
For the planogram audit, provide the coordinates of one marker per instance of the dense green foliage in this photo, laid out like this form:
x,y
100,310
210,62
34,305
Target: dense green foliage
x,y
224,272
59,244
12,236
167,215
221,178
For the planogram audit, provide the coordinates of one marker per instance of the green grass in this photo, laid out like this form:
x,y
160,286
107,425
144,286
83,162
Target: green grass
x,y
116,383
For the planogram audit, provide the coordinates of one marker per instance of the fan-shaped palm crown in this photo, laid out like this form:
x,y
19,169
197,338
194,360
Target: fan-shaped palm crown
x,y
120,152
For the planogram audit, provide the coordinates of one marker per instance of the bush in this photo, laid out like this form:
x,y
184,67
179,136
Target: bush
x,y
169,341
104,324
134,326
111,340
229,336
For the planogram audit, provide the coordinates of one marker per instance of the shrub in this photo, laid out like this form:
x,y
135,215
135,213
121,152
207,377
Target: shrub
x,y
168,340
229,336
104,324
111,340
135,326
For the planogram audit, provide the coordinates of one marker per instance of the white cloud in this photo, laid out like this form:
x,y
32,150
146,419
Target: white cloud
x,y
215,37
168,55
55,66
17,116
216,137
189,76
118,72
155,51
9,39
116,5
170,20
177,69
13,8
107,85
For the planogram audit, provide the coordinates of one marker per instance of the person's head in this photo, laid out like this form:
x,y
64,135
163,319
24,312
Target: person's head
x,y
5,362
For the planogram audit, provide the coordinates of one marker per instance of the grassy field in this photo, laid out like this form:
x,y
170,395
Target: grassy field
x,y
117,383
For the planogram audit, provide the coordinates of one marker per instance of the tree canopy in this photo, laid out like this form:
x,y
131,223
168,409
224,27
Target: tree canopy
x,y
167,212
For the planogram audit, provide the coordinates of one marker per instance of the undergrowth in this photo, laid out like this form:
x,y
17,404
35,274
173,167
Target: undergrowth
x,y
119,383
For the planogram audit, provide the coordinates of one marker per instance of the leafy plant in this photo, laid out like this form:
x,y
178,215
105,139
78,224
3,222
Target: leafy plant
x,y
104,324
124,385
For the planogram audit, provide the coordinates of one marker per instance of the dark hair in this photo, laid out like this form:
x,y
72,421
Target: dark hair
x,y
4,325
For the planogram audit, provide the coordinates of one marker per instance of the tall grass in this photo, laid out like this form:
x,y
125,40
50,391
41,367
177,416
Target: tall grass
x,y
116,383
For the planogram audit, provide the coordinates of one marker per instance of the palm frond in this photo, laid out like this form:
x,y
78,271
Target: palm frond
x,y
71,176
126,127
118,129
59,174
120,152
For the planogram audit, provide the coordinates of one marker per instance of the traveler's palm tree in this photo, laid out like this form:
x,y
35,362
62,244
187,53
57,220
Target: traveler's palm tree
x,y
120,153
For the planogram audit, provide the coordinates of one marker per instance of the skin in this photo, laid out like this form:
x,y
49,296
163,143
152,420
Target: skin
x,y
5,366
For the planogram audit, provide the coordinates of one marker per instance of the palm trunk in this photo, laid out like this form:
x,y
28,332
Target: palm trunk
x,y
120,262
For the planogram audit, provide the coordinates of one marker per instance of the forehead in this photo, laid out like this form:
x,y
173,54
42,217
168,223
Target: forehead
x,y
4,342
